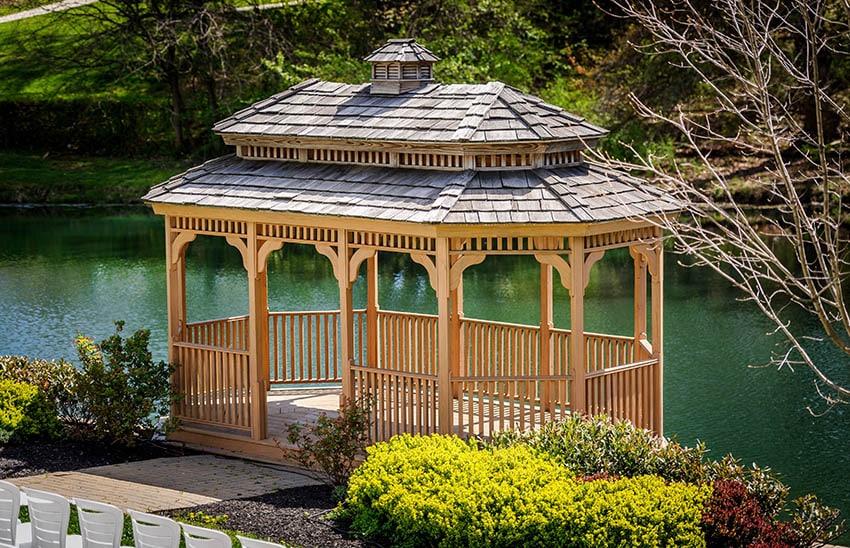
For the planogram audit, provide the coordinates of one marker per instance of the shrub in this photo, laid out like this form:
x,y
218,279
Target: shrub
x,y
441,491
54,378
25,413
735,518
121,392
596,445
333,444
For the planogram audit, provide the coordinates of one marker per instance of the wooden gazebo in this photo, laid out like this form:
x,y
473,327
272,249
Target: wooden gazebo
x,y
449,174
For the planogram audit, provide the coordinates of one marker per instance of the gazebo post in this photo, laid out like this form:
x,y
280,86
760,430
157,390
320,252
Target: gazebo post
x,y
578,366
254,257
175,283
640,301
444,336
346,315
546,325
372,308
658,329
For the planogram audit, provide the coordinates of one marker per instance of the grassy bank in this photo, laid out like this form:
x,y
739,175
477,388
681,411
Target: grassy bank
x,y
27,178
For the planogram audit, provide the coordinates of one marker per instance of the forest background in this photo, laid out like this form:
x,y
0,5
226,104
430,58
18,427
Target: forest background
x,y
99,102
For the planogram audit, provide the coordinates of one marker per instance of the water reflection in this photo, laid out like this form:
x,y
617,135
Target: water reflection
x,y
69,272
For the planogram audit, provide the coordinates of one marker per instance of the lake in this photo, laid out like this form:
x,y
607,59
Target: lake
x,y
69,271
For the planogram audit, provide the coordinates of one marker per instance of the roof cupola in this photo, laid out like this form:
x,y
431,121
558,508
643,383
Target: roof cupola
x,y
401,65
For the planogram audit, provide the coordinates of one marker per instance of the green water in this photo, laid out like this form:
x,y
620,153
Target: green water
x,y
64,272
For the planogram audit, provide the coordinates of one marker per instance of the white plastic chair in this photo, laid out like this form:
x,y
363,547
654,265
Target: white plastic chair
x,y
12,531
201,537
255,543
153,531
101,524
49,516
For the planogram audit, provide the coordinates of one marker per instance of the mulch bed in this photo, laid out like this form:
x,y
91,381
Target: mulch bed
x,y
297,516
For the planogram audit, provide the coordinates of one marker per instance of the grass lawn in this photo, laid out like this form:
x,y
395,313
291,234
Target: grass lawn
x,y
28,178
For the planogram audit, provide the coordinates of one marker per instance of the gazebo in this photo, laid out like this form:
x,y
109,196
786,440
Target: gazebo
x,y
449,174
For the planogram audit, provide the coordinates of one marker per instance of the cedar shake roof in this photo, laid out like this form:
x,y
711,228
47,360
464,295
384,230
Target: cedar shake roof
x,y
448,154
578,194
458,113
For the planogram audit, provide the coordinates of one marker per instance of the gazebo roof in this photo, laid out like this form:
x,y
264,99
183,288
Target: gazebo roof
x,y
413,151
583,193
434,113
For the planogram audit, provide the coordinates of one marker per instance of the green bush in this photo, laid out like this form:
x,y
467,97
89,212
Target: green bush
x,y
25,413
121,392
596,445
54,378
441,491
591,446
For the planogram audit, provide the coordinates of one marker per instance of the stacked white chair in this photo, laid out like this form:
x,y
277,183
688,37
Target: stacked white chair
x,y
101,524
13,533
49,516
201,537
255,543
153,531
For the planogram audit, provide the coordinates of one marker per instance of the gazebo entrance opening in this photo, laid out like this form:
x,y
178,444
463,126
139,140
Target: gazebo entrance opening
x,y
447,175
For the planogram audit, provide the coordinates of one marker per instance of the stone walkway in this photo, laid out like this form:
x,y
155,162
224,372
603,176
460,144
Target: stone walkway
x,y
168,483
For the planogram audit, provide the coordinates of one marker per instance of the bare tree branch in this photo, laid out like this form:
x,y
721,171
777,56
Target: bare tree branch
x,y
764,65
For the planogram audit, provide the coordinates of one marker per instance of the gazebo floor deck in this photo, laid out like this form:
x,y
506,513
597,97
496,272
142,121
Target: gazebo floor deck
x,y
305,405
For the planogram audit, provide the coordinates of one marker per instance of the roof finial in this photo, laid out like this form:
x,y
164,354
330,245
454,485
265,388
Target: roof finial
x,y
401,65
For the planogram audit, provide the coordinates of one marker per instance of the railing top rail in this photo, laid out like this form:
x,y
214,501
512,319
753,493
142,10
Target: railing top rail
x,y
623,338
497,378
410,375
500,324
218,320
408,314
306,312
620,368
184,344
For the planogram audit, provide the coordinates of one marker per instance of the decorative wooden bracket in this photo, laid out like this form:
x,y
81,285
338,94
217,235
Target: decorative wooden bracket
x,y
558,263
265,250
240,244
589,260
331,254
649,253
462,263
354,262
179,243
565,270
428,262
357,259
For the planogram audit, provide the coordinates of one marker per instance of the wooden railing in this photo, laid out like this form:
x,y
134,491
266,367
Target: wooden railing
x,y
214,383
303,346
607,351
407,342
625,392
402,402
503,379
223,333
504,382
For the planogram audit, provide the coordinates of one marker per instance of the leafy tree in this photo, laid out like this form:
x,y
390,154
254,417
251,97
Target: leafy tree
x,y
191,48
771,91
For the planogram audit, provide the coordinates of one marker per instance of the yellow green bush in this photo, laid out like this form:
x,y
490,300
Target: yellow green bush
x,y
442,491
25,413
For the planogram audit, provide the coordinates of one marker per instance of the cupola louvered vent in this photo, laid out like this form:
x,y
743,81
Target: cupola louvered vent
x,y
399,66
